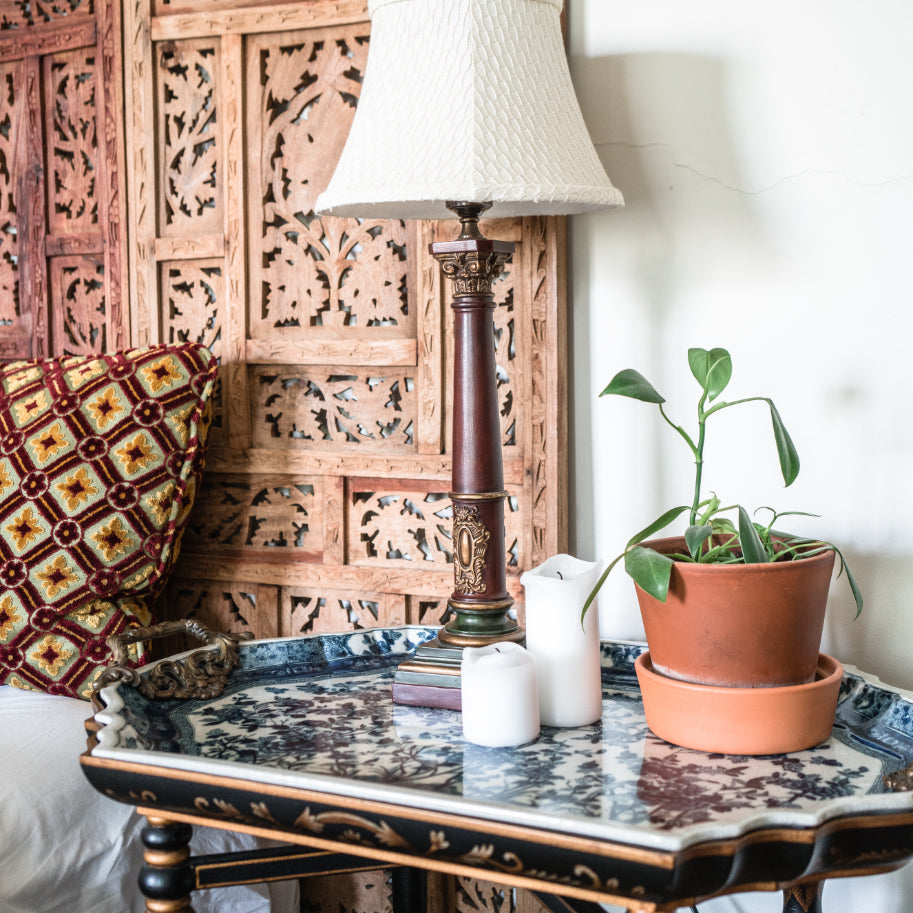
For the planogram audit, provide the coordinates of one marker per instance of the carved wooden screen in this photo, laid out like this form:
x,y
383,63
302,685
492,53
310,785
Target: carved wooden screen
x,y
325,504
62,251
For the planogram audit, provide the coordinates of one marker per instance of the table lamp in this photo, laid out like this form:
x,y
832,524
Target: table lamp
x,y
467,107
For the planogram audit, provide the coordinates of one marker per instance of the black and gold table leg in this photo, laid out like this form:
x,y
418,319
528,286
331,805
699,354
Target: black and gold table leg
x,y
803,898
410,890
166,878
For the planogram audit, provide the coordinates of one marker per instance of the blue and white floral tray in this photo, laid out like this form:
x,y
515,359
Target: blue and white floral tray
x,y
316,713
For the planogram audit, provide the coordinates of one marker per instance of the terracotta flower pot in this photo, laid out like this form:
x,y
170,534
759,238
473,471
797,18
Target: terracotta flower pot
x,y
738,625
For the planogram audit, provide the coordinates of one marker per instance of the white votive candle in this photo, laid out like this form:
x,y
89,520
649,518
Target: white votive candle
x,y
566,650
498,691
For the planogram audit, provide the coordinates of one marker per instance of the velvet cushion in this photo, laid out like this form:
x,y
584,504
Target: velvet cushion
x,y
100,458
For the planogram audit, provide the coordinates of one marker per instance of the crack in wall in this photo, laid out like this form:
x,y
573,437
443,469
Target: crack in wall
x,y
787,178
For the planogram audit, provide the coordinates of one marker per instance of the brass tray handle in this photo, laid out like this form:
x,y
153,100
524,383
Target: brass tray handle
x,y
899,781
201,674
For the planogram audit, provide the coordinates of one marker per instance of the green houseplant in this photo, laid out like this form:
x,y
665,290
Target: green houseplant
x,y
771,586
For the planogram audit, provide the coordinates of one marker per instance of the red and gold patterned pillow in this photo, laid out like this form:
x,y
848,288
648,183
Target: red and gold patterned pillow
x,y
100,458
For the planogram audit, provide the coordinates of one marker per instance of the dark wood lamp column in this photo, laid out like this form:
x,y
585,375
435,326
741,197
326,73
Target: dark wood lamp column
x,y
480,601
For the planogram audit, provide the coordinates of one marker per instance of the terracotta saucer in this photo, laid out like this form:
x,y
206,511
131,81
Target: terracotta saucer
x,y
744,721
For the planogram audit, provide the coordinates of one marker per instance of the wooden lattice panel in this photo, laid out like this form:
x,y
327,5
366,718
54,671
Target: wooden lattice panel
x,y
189,190
70,81
473,896
11,325
62,213
326,496
79,316
319,408
258,513
27,14
362,892
371,892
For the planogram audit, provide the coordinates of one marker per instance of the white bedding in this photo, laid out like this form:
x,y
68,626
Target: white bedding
x,y
64,847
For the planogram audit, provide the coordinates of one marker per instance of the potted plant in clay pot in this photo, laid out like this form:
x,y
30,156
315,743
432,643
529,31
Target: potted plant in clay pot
x,y
733,603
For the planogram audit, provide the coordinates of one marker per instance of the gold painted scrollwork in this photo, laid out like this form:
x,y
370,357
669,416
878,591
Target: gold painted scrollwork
x,y
470,539
225,808
382,832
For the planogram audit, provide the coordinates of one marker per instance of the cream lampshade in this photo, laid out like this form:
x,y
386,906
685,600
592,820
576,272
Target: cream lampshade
x,y
467,100
467,107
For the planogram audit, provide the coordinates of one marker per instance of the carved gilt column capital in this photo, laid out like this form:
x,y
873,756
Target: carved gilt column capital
x,y
472,272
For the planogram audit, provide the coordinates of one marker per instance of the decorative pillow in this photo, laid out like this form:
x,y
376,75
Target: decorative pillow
x,y
100,458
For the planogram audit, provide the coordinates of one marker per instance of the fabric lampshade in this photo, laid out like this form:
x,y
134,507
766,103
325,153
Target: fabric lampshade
x,y
467,100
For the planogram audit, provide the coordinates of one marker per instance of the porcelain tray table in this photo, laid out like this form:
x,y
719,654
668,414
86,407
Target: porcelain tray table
x,y
306,746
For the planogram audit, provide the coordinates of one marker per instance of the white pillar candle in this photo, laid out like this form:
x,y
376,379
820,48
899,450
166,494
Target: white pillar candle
x,y
500,704
566,650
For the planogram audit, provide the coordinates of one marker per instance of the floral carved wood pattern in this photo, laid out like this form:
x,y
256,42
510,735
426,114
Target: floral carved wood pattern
x,y
62,244
316,409
78,288
72,130
248,511
193,295
364,892
10,309
347,273
334,335
189,111
27,13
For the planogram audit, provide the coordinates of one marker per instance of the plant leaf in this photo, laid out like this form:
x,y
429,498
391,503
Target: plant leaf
x,y
752,548
713,505
712,370
658,524
633,384
696,536
788,513
597,588
645,533
786,450
850,579
723,526
699,362
650,570
798,542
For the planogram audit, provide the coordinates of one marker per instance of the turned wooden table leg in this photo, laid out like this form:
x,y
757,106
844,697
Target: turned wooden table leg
x,y
410,890
166,878
803,898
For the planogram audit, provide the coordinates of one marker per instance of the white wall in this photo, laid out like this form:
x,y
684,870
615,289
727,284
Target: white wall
x,y
766,156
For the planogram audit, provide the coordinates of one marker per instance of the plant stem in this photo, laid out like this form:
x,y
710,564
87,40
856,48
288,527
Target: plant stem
x,y
696,449
698,469
702,416
679,429
699,454
735,402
